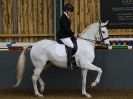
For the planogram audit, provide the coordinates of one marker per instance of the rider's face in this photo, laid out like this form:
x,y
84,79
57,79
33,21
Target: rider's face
x,y
69,13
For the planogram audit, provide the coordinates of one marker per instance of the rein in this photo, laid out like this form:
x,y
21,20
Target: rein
x,y
100,33
93,41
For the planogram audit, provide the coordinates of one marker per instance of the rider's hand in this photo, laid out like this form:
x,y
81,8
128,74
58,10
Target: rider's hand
x,y
78,34
75,35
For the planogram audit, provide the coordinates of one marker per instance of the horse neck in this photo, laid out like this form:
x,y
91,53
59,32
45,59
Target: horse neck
x,y
90,35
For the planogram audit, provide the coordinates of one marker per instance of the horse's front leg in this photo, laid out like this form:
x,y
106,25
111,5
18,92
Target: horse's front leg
x,y
85,69
92,67
84,75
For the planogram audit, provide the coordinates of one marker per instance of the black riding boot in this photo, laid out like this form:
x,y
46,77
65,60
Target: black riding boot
x,y
69,57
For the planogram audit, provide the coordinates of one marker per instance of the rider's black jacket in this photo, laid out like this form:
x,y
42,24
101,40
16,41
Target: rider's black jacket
x,y
65,27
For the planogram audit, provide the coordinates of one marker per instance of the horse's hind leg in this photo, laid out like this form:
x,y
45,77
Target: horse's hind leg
x,y
36,75
37,72
41,84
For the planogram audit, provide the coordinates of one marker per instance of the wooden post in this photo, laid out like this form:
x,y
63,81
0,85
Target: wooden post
x,y
15,17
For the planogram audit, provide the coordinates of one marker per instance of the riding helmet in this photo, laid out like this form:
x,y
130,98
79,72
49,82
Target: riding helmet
x,y
69,7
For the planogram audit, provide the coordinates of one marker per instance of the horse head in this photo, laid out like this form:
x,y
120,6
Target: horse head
x,y
96,32
103,36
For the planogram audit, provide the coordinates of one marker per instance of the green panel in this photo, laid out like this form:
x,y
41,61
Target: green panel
x,y
57,15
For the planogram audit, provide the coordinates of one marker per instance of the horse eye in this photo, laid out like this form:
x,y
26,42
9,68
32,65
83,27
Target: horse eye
x,y
103,31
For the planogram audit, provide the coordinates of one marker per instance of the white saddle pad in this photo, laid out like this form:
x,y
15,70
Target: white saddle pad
x,y
60,50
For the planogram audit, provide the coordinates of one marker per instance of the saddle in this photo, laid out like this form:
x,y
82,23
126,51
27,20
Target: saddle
x,y
73,51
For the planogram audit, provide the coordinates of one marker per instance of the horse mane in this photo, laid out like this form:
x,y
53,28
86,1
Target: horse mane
x,y
88,27
85,29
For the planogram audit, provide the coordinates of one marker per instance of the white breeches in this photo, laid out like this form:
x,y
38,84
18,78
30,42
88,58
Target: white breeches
x,y
68,42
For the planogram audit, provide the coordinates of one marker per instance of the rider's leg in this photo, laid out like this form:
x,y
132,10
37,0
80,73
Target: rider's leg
x,y
70,46
69,57
68,42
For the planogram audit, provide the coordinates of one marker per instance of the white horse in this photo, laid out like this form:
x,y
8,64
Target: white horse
x,y
45,50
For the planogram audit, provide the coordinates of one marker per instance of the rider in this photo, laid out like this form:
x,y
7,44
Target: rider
x,y
65,34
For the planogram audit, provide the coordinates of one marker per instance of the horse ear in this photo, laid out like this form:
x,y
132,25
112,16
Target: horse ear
x,y
100,21
104,24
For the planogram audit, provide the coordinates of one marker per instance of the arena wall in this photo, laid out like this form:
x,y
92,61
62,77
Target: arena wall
x,y
26,20
33,20
117,66
87,12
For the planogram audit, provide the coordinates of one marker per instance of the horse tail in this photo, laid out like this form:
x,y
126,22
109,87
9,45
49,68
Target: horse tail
x,y
21,66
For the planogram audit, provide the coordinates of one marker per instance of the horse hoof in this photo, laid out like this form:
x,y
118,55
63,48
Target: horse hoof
x,y
42,89
93,84
87,95
39,95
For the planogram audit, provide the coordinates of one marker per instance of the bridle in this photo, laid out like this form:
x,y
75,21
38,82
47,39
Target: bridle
x,y
101,36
